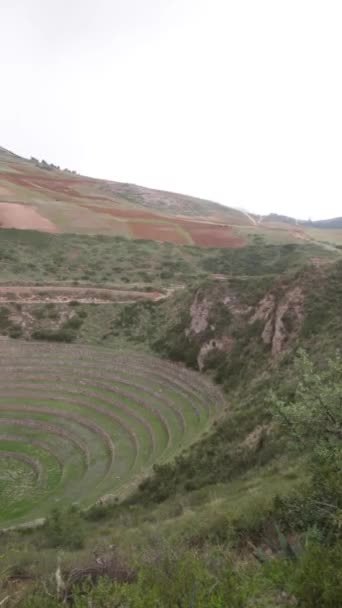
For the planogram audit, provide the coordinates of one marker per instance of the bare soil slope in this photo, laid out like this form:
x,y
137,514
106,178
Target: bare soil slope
x,y
23,217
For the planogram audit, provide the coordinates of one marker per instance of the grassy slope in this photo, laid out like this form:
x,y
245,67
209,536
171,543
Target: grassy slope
x,y
29,256
129,195
243,440
84,205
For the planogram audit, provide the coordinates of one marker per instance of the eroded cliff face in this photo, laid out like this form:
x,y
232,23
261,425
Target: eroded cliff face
x,y
219,316
199,312
213,314
282,315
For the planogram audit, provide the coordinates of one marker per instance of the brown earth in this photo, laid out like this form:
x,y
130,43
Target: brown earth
x,y
4,191
201,232
24,217
209,235
127,213
158,232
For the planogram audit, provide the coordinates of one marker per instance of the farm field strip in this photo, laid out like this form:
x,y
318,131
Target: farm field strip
x,y
79,423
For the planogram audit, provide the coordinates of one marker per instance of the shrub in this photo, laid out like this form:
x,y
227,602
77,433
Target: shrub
x,y
4,317
318,580
313,420
15,331
62,335
64,529
73,323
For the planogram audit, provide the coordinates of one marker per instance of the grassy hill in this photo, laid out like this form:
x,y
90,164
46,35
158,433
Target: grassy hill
x,y
38,195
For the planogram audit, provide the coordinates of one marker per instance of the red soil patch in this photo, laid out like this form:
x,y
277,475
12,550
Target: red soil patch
x,y
24,217
127,213
202,233
157,232
215,236
211,235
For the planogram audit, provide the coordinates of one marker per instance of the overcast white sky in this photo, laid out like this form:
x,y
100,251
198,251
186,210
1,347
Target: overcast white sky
x,y
239,101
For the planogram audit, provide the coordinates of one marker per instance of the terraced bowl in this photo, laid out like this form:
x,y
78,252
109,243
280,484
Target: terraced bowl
x,y
81,423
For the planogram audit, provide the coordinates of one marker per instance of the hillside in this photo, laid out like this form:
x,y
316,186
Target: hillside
x,y
40,196
165,440
135,417
35,195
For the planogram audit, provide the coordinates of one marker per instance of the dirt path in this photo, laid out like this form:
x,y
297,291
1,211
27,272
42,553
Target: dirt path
x,y
251,219
86,295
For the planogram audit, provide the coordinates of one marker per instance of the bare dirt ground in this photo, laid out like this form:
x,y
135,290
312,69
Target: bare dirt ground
x,y
4,191
24,217
36,294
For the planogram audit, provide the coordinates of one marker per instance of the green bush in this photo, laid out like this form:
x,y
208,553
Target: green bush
x,y
64,529
4,318
73,323
15,331
318,577
61,335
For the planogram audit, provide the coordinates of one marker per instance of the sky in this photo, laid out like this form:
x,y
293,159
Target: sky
x,y
238,101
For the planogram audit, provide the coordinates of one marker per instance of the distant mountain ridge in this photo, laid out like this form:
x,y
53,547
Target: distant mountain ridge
x,y
333,223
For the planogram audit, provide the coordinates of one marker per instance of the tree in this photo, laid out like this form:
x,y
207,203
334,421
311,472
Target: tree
x,y
65,529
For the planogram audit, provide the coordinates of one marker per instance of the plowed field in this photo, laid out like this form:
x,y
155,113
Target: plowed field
x,y
24,217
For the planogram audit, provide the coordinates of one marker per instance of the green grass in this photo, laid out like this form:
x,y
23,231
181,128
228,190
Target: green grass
x,y
330,235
